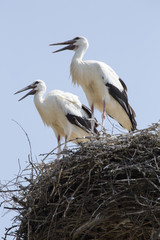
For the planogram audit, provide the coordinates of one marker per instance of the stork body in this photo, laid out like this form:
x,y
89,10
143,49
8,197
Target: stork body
x,y
62,111
102,86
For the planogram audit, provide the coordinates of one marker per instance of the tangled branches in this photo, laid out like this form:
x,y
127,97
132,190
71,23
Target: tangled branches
x,y
108,188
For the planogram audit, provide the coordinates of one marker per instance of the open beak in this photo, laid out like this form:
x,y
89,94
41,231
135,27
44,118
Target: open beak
x,y
70,46
32,92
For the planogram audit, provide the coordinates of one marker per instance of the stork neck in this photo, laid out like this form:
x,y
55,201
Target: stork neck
x,y
38,98
79,53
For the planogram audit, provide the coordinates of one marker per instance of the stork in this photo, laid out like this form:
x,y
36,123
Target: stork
x,y
62,111
102,86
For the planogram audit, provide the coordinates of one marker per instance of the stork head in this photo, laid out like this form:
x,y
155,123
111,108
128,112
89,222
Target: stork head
x,y
73,44
36,87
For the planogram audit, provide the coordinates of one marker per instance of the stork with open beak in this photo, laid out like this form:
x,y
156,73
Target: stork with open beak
x,y
102,86
62,111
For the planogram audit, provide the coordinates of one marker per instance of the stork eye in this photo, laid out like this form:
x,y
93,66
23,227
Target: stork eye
x,y
36,82
77,38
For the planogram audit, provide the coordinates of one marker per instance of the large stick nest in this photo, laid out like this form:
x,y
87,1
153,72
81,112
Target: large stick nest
x,y
108,188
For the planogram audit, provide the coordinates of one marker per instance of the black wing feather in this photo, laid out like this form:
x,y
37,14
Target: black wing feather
x,y
87,110
89,113
122,98
123,84
79,121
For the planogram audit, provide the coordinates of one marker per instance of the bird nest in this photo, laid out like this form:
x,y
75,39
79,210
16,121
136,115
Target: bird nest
x,y
108,188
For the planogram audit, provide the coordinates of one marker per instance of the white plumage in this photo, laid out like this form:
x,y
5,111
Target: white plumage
x,y
102,86
62,111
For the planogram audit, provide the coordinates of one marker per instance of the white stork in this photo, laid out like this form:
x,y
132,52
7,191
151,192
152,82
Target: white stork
x,y
102,86
62,111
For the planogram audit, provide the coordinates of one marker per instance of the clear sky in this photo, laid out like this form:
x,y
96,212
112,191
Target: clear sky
x,y
125,34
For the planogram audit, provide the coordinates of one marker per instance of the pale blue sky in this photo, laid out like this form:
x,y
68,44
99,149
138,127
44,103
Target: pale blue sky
x,y
125,34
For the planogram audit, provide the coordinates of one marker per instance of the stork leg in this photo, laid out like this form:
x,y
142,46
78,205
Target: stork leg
x,y
92,118
65,145
59,147
103,114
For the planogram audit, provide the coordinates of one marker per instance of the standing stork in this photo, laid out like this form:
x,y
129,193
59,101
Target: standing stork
x,y
62,111
102,86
